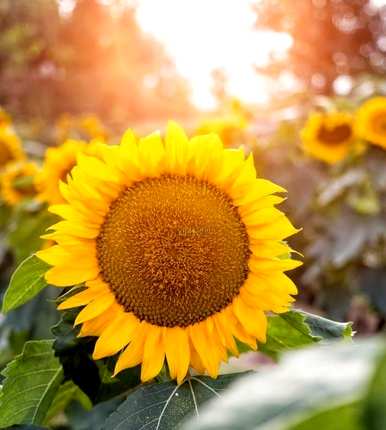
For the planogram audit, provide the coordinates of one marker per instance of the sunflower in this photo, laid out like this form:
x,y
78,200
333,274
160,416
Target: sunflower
x,y
58,163
228,128
5,119
92,127
370,121
10,146
329,136
17,182
180,248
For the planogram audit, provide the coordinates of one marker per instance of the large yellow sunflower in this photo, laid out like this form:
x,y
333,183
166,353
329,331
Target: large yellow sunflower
x,y
370,121
329,136
10,146
58,162
180,248
17,182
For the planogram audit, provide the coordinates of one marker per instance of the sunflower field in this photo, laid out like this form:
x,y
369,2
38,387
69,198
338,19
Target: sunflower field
x,y
170,264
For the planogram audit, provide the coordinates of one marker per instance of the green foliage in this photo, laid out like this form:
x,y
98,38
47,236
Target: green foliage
x,y
29,222
94,378
67,393
303,387
26,282
295,329
374,407
164,406
347,415
31,382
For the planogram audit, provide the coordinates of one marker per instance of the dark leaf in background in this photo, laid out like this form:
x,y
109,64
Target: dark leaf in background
x,y
75,355
80,419
373,284
68,392
92,377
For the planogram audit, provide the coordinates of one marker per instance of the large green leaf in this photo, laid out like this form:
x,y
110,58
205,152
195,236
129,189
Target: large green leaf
x,y
306,381
164,406
26,282
31,382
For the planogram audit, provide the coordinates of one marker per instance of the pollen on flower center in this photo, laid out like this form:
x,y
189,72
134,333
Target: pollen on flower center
x,y
173,250
335,135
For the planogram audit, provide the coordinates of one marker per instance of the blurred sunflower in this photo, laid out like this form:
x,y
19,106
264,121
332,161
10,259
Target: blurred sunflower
x,y
17,182
5,119
181,250
86,126
92,127
57,164
10,146
329,136
370,121
230,126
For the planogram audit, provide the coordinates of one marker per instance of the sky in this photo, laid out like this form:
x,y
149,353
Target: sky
x,y
203,35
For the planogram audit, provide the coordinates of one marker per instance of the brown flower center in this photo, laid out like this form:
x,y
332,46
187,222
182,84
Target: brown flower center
x,y
335,135
173,250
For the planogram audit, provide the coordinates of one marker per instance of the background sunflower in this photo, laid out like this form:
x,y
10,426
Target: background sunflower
x,y
17,182
329,137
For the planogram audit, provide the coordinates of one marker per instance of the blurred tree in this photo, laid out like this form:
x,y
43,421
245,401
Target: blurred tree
x,y
90,60
330,38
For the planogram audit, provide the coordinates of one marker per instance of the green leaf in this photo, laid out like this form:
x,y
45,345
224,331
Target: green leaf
x,y
31,382
28,224
327,329
164,406
305,382
348,416
26,282
66,393
295,329
375,403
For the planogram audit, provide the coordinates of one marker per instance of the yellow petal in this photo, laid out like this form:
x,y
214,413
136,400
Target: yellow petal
x,y
253,320
177,352
95,308
258,265
256,190
82,298
151,153
205,349
133,354
153,354
63,276
95,326
116,335
176,149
